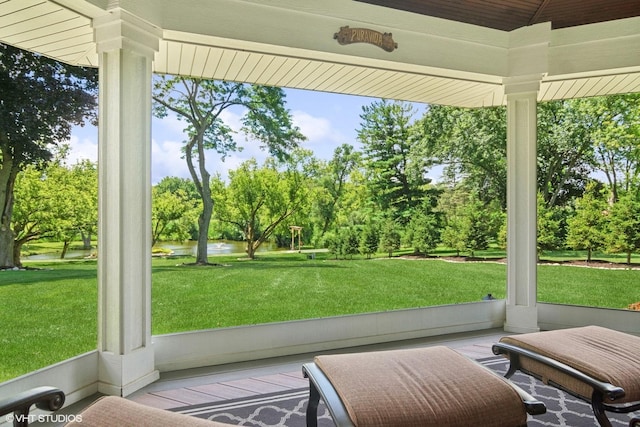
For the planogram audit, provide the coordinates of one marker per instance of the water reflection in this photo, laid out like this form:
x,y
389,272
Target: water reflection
x,y
178,248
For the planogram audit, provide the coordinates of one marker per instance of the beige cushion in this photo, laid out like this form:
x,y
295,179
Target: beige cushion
x,y
601,353
116,411
432,386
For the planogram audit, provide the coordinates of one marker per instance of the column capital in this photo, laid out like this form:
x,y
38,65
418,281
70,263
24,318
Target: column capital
x,y
119,29
522,84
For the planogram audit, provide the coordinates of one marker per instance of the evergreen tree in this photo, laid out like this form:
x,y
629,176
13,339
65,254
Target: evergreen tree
x,y
624,226
370,240
587,227
390,237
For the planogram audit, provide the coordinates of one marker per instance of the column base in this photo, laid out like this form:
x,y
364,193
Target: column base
x,y
121,375
521,319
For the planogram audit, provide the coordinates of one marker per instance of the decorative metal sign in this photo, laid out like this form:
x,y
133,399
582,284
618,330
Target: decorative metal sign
x,y
348,35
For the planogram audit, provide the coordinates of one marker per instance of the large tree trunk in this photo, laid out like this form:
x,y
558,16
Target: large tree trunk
x,y
203,231
6,247
86,241
7,182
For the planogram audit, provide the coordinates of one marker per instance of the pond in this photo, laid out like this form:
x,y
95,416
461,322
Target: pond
x,y
188,248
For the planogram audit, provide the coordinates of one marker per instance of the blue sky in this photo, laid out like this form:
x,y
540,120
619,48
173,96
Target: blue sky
x,y
327,120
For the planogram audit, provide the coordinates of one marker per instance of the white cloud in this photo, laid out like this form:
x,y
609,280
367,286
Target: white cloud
x,y
166,160
82,148
322,136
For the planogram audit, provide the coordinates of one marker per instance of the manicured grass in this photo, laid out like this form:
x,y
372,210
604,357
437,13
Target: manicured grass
x,y
46,315
50,314
287,287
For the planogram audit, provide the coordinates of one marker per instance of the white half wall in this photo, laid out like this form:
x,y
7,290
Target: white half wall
x,y
560,316
219,346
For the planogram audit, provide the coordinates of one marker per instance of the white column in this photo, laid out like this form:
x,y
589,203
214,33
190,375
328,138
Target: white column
x,y
521,314
126,47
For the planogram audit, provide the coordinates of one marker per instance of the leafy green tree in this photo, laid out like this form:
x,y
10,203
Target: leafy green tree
x,y
85,178
548,227
613,127
58,203
331,241
587,227
332,183
370,240
477,225
40,101
453,235
396,173
172,214
258,199
33,211
350,241
200,103
76,212
186,226
471,144
624,226
390,237
424,232
565,153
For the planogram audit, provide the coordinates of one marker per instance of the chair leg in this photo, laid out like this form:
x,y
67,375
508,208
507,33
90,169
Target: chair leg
x,y
312,406
598,410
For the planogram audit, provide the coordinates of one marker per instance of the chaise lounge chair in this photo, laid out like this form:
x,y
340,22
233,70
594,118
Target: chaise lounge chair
x,y
433,386
106,411
598,365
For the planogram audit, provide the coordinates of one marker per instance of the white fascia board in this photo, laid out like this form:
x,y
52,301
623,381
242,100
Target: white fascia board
x,y
598,49
528,50
309,26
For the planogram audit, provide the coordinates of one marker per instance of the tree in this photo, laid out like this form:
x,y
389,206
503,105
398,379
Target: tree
x,y
350,241
477,225
186,227
258,199
84,176
33,211
332,182
548,227
58,202
200,103
424,231
390,236
565,153
40,101
370,240
396,173
172,214
587,227
471,144
624,226
613,126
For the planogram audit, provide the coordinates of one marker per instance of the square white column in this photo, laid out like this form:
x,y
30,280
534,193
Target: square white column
x,y
521,311
126,47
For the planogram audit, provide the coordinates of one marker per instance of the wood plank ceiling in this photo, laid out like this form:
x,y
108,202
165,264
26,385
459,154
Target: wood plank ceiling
x,y
508,15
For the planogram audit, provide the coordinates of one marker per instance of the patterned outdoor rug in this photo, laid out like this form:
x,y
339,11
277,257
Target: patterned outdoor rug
x,y
287,409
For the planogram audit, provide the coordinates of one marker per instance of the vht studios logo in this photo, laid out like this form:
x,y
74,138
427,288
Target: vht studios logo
x,y
22,419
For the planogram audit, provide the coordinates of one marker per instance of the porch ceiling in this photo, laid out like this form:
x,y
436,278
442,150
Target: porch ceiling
x,y
289,43
508,15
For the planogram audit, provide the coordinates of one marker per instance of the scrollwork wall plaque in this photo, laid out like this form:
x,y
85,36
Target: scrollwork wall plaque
x,y
348,35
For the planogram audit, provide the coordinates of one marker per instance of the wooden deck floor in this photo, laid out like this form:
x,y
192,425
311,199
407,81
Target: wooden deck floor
x,y
206,385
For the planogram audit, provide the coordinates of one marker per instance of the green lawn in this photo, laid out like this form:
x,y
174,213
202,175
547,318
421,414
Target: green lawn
x,y
49,314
